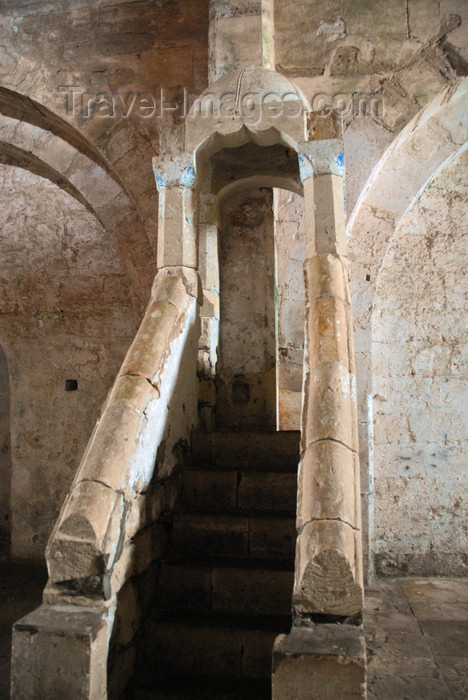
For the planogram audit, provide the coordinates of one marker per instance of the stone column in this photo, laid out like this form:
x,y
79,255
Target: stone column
x,y
328,556
240,35
178,212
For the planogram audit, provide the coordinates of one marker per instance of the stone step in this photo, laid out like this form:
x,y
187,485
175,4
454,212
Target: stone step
x,y
213,646
157,684
209,535
240,491
277,451
225,589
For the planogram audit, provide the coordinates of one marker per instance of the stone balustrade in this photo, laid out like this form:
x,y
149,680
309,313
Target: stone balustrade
x,y
109,529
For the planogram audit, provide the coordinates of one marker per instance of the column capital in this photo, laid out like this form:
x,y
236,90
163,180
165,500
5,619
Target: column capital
x,y
174,171
321,158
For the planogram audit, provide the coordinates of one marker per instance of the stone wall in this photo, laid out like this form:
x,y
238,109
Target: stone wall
x,y
64,321
419,385
65,309
290,256
246,379
65,314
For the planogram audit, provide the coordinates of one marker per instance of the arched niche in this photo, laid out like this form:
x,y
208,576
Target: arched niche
x,y
259,257
244,133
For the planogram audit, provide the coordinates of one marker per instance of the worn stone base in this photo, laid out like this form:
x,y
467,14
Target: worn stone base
x,y
324,662
60,652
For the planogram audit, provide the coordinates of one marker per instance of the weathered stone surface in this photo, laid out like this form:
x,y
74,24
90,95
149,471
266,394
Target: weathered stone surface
x,y
328,569
324,215
400,645
246,376
290,254
329,410
326,484
418,398
86,537
323,662
177,231
78,320
327,277
435,590
240,36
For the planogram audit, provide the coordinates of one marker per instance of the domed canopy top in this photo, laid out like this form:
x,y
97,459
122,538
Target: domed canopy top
x,y
251,100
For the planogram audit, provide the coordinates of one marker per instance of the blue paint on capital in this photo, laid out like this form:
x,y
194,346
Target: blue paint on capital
x,y
159,180
188,176
339,163
305,167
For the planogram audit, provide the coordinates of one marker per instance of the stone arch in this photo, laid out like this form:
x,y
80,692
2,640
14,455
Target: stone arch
x,y
36,139
425,144
65,314
418,370
249,104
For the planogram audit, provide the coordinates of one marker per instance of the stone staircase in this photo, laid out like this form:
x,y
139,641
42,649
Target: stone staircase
x,y
225,587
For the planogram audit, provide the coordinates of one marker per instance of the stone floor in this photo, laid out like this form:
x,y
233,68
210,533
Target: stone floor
x,y
417,639
417,632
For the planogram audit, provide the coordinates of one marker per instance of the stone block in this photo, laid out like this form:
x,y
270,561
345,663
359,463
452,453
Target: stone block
x,y
109,453
177,227
324,662
61,653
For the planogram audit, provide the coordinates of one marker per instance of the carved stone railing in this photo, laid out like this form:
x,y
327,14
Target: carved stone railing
x,y
324,654
108,529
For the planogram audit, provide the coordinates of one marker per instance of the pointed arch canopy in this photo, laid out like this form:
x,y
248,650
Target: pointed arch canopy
x,y
251,104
